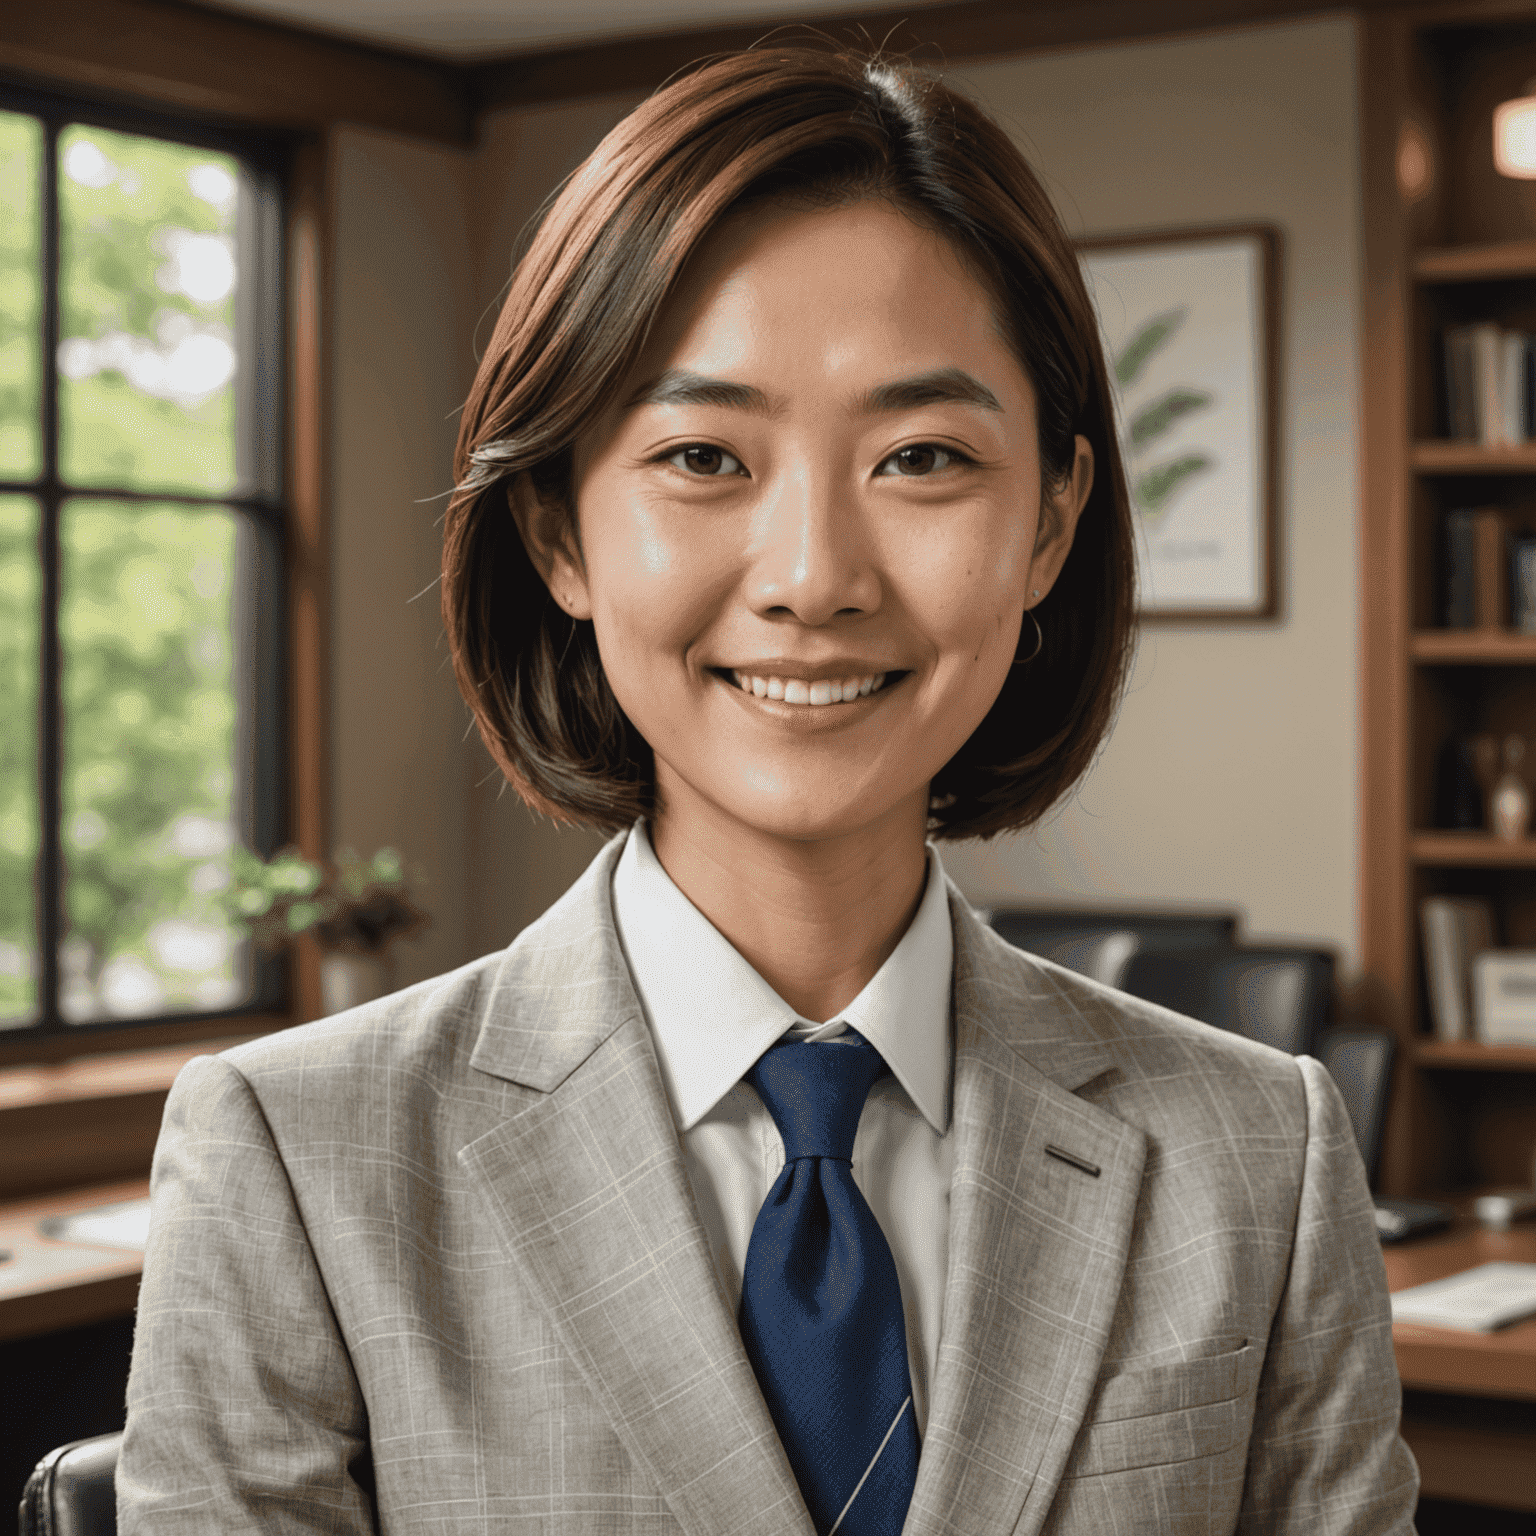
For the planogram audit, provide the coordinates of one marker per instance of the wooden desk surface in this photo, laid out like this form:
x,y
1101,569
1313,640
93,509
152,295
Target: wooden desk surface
x,y
1499,1364
47,1284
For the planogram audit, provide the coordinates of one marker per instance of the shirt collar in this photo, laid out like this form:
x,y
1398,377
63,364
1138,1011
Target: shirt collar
x,y
711,1015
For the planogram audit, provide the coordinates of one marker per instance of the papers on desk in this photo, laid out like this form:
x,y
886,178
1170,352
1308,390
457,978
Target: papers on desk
x,y
1480,1299
117,1226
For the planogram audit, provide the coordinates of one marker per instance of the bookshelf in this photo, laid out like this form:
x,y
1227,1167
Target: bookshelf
x,y
1447,242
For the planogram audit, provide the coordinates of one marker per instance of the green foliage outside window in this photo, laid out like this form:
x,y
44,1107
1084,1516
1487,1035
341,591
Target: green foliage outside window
x,y
146,403
19,586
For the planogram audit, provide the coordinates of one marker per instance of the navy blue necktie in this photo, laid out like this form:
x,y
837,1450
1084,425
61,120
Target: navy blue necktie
x,y
820,1302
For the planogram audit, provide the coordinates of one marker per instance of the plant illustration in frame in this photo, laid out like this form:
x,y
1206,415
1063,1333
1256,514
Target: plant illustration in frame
x,y
1155,484
1190,328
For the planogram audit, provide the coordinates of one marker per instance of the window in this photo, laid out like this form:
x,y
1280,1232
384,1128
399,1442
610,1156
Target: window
x,y
141,538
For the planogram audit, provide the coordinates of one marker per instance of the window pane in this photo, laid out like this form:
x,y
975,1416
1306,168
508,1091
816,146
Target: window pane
x,y
147,322
21,149
19,652
149,739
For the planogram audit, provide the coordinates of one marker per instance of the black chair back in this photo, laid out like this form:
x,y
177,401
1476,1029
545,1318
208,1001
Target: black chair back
x,y
1360,1062
1275,994
71,1491
1100,944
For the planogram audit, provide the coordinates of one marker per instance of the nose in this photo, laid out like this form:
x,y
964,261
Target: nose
x,y
813,558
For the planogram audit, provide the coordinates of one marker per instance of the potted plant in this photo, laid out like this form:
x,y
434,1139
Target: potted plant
x,y
355,907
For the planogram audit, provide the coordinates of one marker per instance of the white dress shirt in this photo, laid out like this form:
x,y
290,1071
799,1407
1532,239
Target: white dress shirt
x,y
711,1016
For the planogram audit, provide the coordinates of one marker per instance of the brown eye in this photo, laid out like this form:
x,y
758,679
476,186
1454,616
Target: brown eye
x,y
705,459
919,459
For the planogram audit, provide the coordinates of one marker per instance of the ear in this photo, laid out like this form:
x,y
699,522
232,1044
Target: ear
x,y
1058,524
549,536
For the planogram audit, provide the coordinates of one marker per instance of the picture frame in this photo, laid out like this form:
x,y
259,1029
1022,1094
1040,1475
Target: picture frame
x,y
1191,326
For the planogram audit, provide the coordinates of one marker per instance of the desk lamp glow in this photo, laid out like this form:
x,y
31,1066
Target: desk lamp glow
x,y
1514,135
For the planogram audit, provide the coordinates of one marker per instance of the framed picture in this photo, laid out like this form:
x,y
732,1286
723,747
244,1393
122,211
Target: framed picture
x,y
1191,332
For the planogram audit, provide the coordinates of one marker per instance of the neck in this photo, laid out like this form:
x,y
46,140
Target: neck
x,y
814,917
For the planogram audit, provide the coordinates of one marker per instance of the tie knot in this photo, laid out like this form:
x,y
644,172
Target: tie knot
x,y
815,1092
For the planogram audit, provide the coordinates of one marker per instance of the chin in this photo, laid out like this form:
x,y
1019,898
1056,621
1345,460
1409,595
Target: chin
x,y
810,808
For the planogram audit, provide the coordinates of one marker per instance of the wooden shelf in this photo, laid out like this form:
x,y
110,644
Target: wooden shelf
x,y
1447,456
1479,849
1486,647
1476,263
1473,1056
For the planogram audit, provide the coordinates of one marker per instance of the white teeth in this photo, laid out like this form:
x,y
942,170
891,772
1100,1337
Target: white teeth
x,y
795,690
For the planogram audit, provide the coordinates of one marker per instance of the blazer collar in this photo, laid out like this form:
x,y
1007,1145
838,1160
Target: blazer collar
x,y
561,989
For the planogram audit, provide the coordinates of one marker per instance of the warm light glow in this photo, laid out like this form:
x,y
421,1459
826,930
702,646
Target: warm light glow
x,y
1514,138
1415,162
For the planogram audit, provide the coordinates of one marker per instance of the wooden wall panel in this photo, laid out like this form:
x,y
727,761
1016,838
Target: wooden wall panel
x,y
308,253
230,67
1385,938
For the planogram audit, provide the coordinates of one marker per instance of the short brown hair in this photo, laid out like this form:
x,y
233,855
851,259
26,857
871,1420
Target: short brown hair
x,y
791,123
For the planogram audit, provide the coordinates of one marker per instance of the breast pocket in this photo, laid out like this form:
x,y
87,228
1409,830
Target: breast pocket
x,y
1160,1414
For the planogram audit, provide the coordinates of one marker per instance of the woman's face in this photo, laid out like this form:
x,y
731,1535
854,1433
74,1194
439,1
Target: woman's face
x,y
811,525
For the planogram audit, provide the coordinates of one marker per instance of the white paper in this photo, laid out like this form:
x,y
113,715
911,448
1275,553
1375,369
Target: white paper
x,y
1479,1299
109,1226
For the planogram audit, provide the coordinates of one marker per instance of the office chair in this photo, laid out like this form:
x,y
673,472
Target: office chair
x,y
1275,994
1360,1062
71,1492
1100,944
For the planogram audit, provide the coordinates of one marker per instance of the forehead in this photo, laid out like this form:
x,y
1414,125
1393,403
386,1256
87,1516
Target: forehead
x,y
823,286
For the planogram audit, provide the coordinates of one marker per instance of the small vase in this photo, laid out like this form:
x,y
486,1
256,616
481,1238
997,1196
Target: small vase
x,y
1510,803
347,980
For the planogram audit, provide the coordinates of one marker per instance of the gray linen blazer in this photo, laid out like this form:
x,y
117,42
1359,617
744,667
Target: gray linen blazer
x,y
434,1266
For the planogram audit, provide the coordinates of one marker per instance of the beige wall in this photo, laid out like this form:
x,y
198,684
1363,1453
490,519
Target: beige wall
x,y
1231,777
402,282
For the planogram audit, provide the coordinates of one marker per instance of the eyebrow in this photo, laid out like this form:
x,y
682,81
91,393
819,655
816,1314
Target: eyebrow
x,y
681,386
938,387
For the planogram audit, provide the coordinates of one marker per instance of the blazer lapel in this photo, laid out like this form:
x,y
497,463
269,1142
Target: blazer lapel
x,y
590,1198
1037,1246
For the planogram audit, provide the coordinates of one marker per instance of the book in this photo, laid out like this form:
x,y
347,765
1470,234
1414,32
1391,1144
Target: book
x,y
1479,1300
1460,385
1489,378
1460,571
1456,929
1522,585
1504,996
1487,365
1490,569
1513,347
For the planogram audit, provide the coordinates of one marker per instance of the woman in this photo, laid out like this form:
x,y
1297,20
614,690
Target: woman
x,y
758,1187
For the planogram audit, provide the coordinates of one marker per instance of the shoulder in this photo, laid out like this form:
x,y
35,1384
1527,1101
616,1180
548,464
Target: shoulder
x,y
1151,1066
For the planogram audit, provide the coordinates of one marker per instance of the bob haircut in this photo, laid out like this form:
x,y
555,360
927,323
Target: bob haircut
x,y
819,129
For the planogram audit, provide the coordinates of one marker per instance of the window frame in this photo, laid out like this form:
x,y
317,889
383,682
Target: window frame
x,y
278,500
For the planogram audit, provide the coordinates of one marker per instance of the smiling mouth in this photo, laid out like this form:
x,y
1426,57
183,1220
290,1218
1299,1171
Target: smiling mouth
x,y
798,690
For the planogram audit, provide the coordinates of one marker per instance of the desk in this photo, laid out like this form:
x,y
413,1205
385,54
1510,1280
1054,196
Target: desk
x,y
1469,1410
47,1284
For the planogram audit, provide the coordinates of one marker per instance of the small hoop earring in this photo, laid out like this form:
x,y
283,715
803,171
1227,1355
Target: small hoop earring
x,y
1021,661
